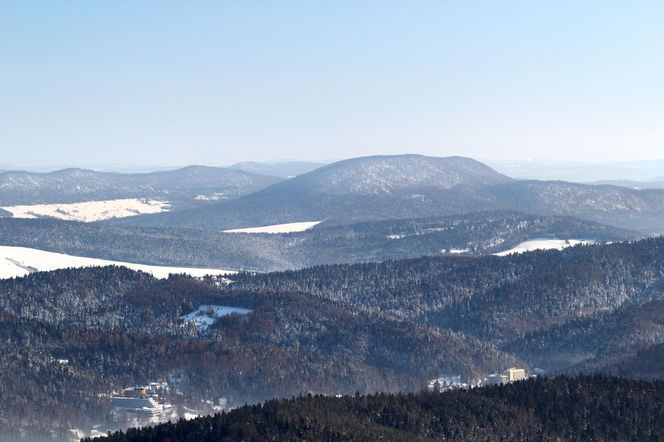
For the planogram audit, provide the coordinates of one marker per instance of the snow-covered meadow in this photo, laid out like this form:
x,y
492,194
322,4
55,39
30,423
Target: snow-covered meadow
x,y
544,244
20,261
91,210
277,228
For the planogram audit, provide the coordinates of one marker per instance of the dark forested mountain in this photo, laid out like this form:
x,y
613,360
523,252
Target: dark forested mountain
x,y
333,329
327,243
413,186
471,234
613,205
115,327
282,169
530,305
177,186
607,342
583,408
389,174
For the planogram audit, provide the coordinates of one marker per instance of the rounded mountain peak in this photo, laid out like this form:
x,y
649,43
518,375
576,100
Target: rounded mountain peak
x,y
385,174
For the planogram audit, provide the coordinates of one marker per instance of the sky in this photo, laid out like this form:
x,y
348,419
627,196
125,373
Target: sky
x,y
195,82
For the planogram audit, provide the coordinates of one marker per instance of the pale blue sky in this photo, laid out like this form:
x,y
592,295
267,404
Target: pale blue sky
x,y
170,83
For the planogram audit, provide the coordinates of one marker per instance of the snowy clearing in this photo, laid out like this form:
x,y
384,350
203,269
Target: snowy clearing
x,y
277,228
544,244
206,315
419,233
20,261
91,210
397,236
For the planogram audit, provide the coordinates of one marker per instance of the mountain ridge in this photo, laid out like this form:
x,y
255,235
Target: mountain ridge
x,y
416,186
72,185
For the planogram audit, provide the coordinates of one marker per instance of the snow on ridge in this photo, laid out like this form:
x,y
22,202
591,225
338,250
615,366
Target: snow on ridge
x,y
90,211
206,315
277,228
544,244
20,261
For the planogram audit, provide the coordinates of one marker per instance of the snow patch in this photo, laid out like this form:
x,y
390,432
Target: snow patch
x,y
397,236
20,261
544,244
278,228
90,211
206,315
214,197
419,233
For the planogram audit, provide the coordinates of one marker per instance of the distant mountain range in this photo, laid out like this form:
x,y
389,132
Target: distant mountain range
x,y
359,189
657,183
181,186
414,186
282,169
349,191
577,171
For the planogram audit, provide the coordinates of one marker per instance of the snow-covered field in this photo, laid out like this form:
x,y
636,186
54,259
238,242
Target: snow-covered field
x,y
278,228
206,315
19,261
91,210
544,244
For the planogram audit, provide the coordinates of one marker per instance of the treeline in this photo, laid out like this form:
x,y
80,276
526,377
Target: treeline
x,y
596,408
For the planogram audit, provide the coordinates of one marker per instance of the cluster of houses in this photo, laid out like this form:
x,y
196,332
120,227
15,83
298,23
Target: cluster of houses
x,y
444,383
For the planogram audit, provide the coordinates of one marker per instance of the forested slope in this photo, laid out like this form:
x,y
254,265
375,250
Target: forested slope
x,y
594,408
328,243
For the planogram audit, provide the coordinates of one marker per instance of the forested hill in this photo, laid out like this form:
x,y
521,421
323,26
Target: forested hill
x,y
115,327
585,308
596,408
491,297
335,329
327,243
75,185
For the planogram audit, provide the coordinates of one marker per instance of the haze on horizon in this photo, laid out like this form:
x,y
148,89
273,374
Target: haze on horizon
x,y
175,83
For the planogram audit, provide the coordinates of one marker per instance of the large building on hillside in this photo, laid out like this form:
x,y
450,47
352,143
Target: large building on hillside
x,y
510,375
515,374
